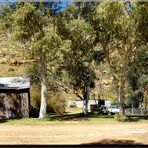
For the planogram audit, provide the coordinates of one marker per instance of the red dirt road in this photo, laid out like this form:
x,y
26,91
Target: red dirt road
x,y
73,132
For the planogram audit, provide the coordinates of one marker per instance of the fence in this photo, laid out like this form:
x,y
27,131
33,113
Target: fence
x,y
136,111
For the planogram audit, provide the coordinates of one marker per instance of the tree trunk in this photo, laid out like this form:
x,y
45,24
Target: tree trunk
x,y
43,105
121,97
44,84
145,100
118,94
86,96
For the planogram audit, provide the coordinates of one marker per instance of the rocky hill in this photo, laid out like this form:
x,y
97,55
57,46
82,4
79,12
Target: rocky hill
x,y
13,58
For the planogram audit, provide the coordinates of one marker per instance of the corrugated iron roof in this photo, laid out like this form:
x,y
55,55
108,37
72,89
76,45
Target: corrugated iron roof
x,y
14,82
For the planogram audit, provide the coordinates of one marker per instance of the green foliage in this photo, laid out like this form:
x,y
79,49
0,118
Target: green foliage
x,y
137,77
143,20
30,26
6,17
79,60
74,45
79,57
33,73
137,71
143,81
117,33
27,21
64,18
119,37
134,99
81,33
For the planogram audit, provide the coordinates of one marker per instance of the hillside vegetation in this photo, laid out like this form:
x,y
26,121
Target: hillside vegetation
x,y
13,58
14,61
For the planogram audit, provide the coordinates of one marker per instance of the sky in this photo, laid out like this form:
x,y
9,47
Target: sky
x,y
57,6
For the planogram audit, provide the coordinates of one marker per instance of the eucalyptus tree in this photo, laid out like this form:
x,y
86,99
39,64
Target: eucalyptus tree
x,y
118,35
32,26
82,57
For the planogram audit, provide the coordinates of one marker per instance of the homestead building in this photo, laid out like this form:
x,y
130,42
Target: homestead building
x,y
14,97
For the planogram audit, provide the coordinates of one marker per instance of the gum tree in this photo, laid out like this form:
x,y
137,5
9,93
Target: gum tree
x,y
118,36
30,26
82,58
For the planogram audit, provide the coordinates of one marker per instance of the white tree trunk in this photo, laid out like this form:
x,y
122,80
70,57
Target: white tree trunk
x,y
85,106
121,96
43,105
44,84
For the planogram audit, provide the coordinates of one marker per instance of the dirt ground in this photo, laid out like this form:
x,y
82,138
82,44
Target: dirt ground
x,y
75,132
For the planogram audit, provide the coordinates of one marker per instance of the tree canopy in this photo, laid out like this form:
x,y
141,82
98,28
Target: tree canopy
x,y
77,40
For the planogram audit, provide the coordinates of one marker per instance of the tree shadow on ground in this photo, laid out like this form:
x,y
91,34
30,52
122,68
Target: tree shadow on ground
x,y
138,117
133,118
67,117
113,142
2,120
75,117
81,117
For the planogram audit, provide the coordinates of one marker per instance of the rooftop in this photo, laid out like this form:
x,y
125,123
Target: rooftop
x,y
14,83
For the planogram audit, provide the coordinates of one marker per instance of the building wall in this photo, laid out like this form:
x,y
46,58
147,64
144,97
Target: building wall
x,y
14,105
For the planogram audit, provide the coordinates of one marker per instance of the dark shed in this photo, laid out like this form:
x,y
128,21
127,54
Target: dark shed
x,y
14,97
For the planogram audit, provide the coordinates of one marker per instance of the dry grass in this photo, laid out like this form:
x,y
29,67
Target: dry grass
x,y
11,51
73,132
12,71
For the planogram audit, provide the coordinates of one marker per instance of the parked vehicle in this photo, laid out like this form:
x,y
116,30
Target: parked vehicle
x,y
113,109
101,110
100,107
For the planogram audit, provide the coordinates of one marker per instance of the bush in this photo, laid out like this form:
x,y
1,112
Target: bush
x,y
3,61
35,97
56,102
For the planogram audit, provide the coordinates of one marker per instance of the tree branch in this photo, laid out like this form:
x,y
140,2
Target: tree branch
x,y
79,96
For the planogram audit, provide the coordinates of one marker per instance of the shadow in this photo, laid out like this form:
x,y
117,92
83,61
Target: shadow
x,y
75,117
67,117
134,118
82,117
113,142
33,112
3,85
2,120
91,115
138,117
128,120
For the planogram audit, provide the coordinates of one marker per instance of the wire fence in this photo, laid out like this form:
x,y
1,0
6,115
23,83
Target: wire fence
x,y
136,111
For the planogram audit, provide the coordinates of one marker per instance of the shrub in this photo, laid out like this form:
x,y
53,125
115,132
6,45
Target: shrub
x,y
3,61
35,97
11,69
56,102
